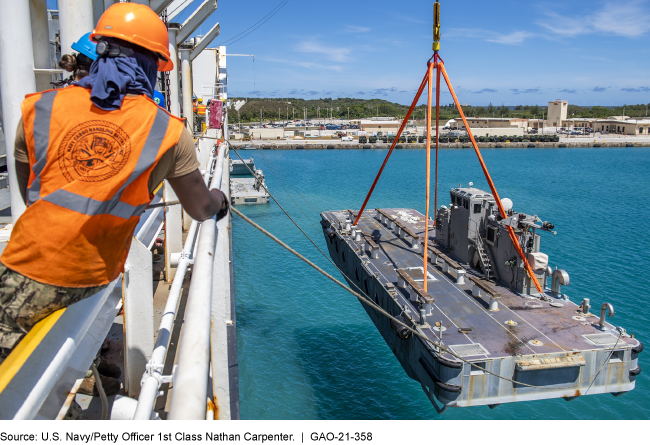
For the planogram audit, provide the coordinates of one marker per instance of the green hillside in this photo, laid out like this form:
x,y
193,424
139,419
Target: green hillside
x,y
272,109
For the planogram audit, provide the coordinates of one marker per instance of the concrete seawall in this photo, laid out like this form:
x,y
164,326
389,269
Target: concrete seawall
x,y
456,145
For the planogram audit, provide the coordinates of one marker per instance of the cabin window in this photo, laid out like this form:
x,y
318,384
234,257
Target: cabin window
x,y
477,208
356,273
376,298
466,204
365,286
343,256
336,244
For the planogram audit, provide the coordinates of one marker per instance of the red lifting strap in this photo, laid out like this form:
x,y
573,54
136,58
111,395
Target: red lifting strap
x,y
511,232
399,133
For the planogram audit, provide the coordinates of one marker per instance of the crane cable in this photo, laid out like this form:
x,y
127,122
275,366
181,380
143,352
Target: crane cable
x,y
392,147
364,298
440,65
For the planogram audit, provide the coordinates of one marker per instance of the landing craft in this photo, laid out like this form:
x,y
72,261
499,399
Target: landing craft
x,y
463,300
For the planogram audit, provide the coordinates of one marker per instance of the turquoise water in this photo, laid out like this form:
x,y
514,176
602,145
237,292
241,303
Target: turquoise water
x,y
307,349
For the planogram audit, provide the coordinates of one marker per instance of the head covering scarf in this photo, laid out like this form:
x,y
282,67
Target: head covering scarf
x,y
112,78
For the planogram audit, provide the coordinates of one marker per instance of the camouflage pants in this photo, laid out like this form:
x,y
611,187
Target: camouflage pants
x,y
24,302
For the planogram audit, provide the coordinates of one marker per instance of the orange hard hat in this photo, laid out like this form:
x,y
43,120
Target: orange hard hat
x,y
139,25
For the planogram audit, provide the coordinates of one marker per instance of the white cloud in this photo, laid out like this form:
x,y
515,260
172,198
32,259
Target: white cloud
x,y
624,18
352,28
337,54
514,38
314,66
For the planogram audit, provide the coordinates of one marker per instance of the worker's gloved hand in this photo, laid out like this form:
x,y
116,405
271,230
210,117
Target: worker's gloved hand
x,y
224,204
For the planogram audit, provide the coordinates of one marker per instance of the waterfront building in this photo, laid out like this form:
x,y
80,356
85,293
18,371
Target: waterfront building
x,y
557,112
578,122
618,126
493,122
375,125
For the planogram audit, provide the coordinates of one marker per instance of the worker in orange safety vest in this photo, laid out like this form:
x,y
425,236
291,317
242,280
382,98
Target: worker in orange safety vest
x,y
88,159
200,109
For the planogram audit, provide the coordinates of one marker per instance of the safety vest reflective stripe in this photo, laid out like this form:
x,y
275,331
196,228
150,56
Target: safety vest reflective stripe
x,y
90,206
43,115
80,203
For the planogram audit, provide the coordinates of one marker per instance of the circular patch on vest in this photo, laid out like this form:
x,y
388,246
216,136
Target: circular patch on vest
x,y
94,151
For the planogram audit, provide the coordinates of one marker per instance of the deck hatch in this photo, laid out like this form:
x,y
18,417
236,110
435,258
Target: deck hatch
x,y
469,350
601,339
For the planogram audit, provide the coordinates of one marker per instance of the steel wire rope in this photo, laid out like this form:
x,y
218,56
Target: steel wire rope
x,y
416,333
282,208
274,11
289,194
280,173
298,226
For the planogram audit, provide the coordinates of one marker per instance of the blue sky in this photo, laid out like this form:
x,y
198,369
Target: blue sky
x,y
511,52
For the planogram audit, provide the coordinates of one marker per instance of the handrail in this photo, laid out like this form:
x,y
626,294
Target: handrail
x,y
56,352
191,377
153,377
147,225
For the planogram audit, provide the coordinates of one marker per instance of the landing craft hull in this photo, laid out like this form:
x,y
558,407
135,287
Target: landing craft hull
x,y
559,356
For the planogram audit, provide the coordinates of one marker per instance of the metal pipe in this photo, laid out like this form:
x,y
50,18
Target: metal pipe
x,y
41,44
57,366
147,225
603,313
191,377
560,278
186,69
75,20
174,85
16,80
151,380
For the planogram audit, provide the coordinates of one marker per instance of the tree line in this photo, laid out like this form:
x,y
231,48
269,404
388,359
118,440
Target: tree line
x,y
277,110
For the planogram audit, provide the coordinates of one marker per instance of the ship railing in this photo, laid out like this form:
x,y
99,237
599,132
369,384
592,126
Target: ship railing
x,y
41,375
203,351
69,339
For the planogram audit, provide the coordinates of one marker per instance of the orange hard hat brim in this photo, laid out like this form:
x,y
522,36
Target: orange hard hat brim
x,y
165,65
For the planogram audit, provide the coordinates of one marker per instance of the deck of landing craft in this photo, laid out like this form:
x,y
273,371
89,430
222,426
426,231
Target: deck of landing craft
x,y
540,328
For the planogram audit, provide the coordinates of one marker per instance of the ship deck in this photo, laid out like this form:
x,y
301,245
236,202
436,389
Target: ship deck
x,y
540,327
